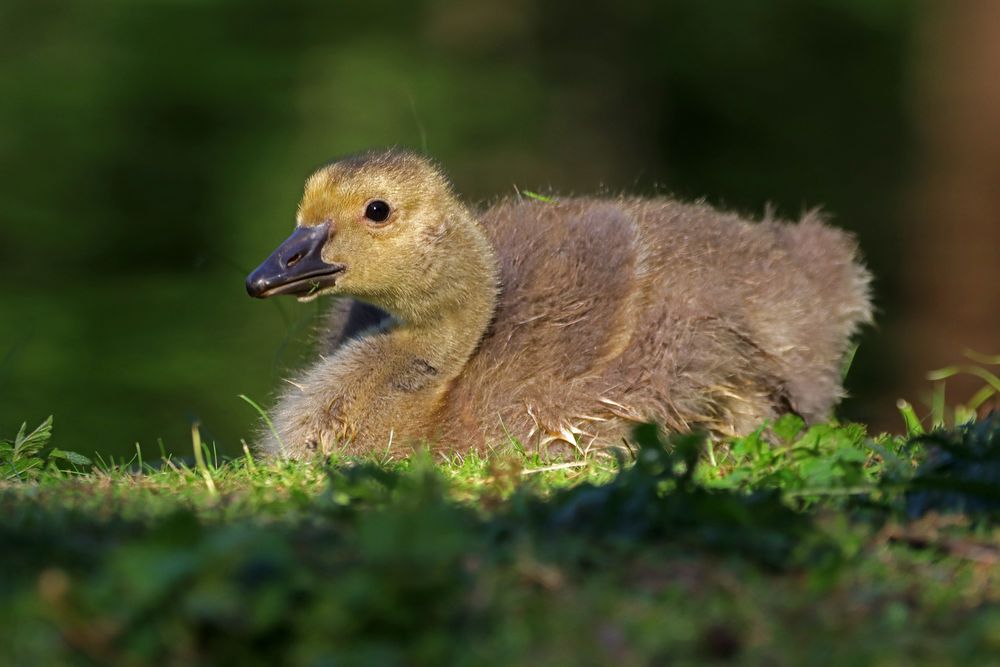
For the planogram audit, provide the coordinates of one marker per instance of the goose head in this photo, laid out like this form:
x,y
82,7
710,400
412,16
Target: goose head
x,y
377,226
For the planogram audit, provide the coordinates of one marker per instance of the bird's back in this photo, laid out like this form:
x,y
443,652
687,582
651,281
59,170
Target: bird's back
x,y
615,311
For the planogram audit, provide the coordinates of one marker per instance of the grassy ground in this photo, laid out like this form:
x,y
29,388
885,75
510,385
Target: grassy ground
x,y
830,548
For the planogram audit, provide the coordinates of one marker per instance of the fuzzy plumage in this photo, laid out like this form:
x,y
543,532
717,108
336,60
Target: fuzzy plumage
x,y
562,323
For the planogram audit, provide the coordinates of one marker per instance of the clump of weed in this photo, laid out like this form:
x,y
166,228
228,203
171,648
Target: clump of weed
x,y
23,457
959,454
661,499
961,473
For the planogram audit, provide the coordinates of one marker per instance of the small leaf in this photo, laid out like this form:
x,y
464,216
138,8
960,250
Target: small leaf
x,y
27,445
72,457
15,469
788,426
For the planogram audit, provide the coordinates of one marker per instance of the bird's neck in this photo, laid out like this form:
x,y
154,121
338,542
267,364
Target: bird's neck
x,y
445,326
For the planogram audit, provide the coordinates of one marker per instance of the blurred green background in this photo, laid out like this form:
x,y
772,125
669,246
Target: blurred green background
x,y
153,152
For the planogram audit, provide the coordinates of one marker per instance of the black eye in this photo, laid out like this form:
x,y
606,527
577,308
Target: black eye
x,y
377,211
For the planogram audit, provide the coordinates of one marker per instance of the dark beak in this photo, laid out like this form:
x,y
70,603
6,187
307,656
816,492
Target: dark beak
x,y
296,267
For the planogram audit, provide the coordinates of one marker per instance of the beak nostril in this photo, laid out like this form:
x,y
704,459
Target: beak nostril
x,y
296,266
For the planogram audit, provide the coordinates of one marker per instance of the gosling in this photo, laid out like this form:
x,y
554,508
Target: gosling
x,y
558,324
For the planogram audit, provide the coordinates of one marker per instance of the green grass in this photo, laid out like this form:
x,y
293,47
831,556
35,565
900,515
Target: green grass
x,y
820,546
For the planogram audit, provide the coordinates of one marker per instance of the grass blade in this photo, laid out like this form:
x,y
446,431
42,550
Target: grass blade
x,y
910,418
199,460
263,415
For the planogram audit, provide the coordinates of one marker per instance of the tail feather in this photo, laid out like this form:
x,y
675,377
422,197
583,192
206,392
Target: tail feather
x,y
829,258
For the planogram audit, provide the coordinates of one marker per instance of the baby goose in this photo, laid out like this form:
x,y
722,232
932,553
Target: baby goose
x,y
557,323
